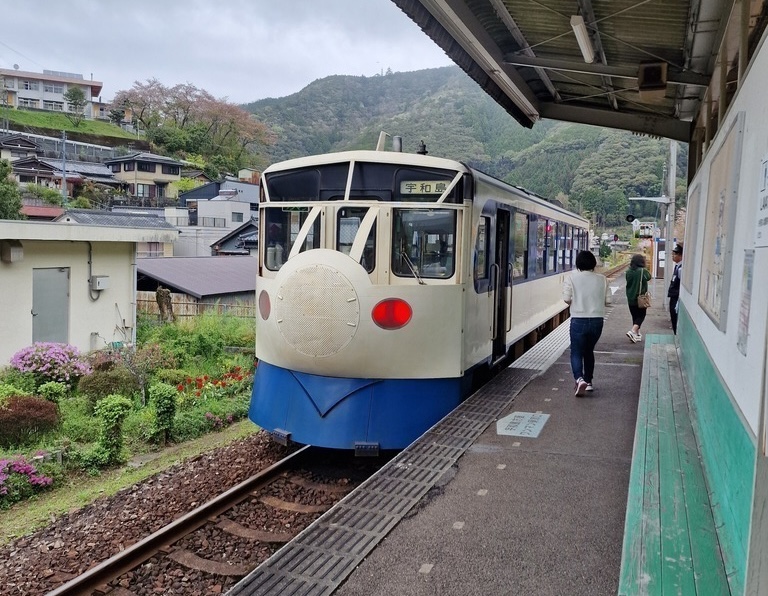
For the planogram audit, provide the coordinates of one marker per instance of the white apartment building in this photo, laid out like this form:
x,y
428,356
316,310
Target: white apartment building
x,y
21,89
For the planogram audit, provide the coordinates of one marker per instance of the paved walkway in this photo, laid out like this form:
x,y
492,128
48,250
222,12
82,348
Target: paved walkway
x,y
537,515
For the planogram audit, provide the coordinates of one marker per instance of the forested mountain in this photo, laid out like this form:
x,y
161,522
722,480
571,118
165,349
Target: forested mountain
x,y
589,169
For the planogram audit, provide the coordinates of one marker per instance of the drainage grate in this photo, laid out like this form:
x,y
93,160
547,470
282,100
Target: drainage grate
x,y
321,557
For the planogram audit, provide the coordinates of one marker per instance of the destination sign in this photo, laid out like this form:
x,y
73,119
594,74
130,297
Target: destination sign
x,y
423,187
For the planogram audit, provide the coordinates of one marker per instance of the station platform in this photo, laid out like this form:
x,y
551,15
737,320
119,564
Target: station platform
x,y
522,490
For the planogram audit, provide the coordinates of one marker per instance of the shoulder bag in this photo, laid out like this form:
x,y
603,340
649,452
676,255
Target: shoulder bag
x,y
644,298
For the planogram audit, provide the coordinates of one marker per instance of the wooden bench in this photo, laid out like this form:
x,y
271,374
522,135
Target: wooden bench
x,y
671,545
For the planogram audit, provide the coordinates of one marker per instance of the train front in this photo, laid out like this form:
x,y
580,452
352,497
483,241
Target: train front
x,y
360,296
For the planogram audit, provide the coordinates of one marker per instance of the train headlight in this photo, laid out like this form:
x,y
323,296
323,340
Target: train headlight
x,y
392,313
265,307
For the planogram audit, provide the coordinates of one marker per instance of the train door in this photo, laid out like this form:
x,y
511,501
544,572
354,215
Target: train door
x,y
502,288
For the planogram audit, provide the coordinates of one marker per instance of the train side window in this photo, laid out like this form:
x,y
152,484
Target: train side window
x,y
541,245
347,226
550,247
481,249
520,235
562,231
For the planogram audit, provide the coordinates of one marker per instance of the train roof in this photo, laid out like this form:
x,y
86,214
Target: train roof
x,y
396,157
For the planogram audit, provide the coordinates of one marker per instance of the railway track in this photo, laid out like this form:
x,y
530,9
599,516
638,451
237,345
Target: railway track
x,y
199,548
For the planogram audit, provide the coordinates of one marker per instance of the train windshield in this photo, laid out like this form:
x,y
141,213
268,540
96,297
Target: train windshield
x,y
370,182
423,243
283,225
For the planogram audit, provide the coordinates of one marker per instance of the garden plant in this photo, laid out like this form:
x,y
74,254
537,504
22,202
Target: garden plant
x,y
64,414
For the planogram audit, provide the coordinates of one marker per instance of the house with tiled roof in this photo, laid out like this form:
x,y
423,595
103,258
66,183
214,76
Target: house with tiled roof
x,y
148,177
243,240
14,146
49,172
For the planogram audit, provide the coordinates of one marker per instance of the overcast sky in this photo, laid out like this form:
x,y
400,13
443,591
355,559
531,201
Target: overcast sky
x,y
241,50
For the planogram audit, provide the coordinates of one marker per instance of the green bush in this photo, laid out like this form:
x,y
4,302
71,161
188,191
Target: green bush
x,y
53,391
189,425
92,460
26,418
24,381
139,428
102,383
163,397
172,376
78,423
7,390
111,412
209,415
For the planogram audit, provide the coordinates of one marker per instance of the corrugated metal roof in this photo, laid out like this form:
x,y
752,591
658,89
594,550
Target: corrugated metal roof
x,y
93,217
203,276
525,54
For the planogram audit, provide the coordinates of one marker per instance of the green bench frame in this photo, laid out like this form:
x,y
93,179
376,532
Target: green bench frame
x,y
671,544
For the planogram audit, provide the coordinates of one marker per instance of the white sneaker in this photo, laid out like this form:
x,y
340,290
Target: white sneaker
x,y
632,336
589,387
581,387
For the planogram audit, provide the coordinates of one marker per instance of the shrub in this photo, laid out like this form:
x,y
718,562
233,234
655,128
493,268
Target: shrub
x,y
111,412
190,425
19,480
104,359
77,421
23,381
101,383
53,391
24,418
7,391
172,376
141,363
163,396
139,427
51,362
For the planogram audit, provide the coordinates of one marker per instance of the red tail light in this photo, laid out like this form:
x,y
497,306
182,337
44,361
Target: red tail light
x,y
392,313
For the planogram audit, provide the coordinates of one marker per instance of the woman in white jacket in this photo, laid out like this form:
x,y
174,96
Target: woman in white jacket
x,y
588,294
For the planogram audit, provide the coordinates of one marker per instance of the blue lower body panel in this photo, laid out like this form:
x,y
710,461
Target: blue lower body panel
x,y
339,412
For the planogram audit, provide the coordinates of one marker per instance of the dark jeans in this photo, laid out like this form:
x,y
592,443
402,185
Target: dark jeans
x,y
584,336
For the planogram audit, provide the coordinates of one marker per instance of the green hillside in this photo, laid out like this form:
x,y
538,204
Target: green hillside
x,y
589,168
52,124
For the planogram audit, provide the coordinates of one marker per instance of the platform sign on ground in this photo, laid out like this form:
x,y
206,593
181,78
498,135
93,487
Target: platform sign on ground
x,y
521,424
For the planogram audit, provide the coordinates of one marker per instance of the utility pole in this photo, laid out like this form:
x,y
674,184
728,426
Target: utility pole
x,y
64,167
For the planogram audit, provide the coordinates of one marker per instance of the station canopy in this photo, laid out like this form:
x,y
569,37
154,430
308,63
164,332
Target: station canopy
x,y
649,66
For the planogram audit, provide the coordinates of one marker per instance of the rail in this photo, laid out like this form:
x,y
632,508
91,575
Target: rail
x,y
141,551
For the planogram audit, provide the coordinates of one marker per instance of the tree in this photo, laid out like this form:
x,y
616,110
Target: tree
x,y
116,116
10,200
75,97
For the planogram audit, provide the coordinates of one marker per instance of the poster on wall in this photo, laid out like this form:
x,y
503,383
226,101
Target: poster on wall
x,y
746,300
692,219
761,228
720,212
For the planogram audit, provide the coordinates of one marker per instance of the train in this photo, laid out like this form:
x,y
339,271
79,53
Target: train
x,y
388,283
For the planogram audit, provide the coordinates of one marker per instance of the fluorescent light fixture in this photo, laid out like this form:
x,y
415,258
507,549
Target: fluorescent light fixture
x,y
582,37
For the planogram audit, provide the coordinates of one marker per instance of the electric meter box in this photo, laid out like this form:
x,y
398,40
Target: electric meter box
x,y
99,282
